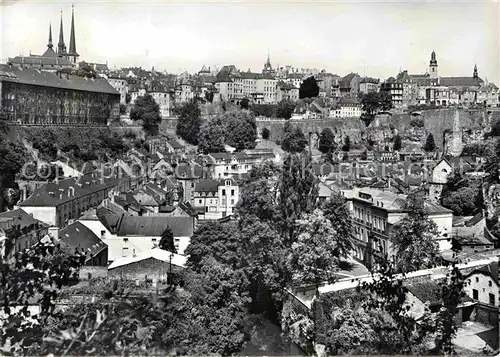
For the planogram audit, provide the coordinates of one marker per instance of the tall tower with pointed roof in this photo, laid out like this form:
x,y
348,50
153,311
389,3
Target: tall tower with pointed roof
x,y
267,66
475,75
72,54
49,52
61,47
433,66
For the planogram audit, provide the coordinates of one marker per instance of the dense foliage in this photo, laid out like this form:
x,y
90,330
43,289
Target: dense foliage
x,y
76,143
265,134
167,241
285,109
293,140
414,239
462,194
188,126
429,145
236,128
327,142
374,101
266,110
397,143
309,88
146,109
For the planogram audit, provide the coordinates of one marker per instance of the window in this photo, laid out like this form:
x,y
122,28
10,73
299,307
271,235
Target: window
x,y
477,279
490,283
232,192
223,192
492,299
475,294
124,251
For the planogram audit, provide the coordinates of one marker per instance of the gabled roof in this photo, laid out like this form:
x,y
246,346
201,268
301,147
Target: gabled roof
x,y
207,186
22,218
48,79
490,270
156,253
428,291
56,193
41,60
460,81
78,237
154,226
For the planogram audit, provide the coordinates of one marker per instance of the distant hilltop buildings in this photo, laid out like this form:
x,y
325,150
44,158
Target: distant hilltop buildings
x,y
429,88
52,60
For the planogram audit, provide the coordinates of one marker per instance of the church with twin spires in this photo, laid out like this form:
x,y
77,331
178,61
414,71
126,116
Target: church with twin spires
x,y
53,59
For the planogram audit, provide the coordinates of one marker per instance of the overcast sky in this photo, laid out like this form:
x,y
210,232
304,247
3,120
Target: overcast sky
x,y
372,37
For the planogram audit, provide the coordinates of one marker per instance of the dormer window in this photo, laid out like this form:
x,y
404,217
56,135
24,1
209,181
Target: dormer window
x,y
228,183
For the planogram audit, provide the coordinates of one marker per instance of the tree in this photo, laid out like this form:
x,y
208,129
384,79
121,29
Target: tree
x,y
33,277
336,211
374,101
347,144
285,109
167,241
294,140
430,145
241,129
148,111
128,98
462,195
314,257
397,143
326,141
209,96
266,110
371,102
212,136
188,126
12,158
218,240
244,104
123,109
265,134
309,88
414,237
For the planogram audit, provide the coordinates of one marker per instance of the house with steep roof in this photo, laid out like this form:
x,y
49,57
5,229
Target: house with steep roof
x,y
24,229
215,199
57,203
349,85
482,284
130,235
154,264
76,237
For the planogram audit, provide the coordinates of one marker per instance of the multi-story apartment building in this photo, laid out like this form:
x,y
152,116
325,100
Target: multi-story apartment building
x,y
368,85
346,108
395,89
121,85
33,97
234,85
374,213
236,164
286,91
215,199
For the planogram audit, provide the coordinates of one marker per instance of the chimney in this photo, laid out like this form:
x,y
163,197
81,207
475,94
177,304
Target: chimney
x,y
71,191
54,232
103,235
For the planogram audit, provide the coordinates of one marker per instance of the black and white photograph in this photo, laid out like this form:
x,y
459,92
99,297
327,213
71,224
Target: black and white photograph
x,y
249,178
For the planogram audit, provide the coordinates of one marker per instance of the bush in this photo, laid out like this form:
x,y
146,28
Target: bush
x,y
417,123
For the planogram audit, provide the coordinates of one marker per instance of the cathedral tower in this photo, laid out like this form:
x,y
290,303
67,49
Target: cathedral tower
x,y
72,54
433,66
61,47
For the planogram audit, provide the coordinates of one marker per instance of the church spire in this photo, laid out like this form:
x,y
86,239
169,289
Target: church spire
x,y
61,47
72,42
49,45
474,75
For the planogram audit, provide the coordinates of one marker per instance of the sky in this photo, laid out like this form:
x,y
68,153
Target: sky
x,y
371,38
